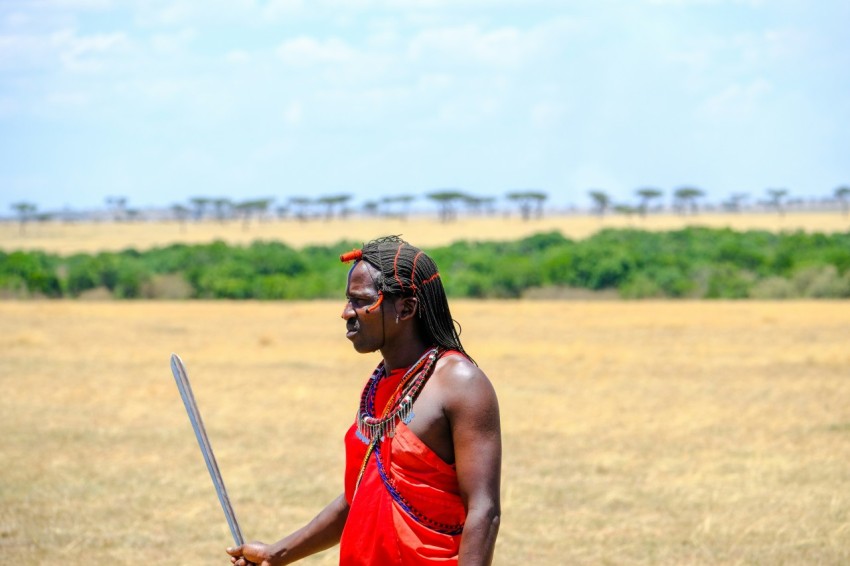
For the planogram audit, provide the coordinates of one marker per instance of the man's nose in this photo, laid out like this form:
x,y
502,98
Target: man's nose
x,y
347,311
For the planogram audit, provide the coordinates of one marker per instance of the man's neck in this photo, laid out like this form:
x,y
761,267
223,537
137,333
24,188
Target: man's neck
x,y
405,355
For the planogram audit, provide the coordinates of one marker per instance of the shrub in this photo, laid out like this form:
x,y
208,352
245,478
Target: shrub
x,y
774,287
728,282
36,270
166,286
693,262
641,286
822,283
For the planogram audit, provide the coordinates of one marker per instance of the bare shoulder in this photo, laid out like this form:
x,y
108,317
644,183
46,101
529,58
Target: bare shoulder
x,y
457,371
463,385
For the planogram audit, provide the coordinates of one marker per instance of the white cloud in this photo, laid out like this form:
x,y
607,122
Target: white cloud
x,y
293,113
87,53
75,4
175,13
68,99
237,56
690,3
171,43
547,114
9,106
274,10
499,47
737,101
19,51
305,51
17,19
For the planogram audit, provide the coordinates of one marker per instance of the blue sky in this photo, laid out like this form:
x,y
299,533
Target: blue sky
x,y
162,100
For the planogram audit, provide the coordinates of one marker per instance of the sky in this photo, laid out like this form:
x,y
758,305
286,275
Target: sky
x,y
159,101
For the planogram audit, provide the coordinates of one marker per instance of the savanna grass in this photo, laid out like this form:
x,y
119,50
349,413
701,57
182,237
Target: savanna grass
x,y
634,433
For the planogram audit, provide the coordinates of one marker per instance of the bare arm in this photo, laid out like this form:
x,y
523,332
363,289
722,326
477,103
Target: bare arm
x,y
473,411
323,532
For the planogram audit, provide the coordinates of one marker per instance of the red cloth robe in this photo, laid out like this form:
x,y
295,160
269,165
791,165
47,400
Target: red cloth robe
x,y
379,531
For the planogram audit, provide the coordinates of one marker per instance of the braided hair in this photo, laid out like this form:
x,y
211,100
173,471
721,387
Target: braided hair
x,y
406,271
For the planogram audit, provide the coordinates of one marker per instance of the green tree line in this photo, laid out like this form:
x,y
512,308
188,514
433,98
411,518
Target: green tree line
x,y
687,263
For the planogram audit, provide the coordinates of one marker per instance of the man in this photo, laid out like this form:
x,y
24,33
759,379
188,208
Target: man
x,y
423,457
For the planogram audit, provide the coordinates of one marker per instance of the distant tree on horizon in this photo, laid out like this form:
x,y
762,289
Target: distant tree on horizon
x,y
200,206
223,208
601,201
447,200
477,205
26,211
775,199
331,202
281,211
252,208
301,207
529,202
647,194
625,209
117,206
685,199
842,193
403,201
181,213
735,202
371,208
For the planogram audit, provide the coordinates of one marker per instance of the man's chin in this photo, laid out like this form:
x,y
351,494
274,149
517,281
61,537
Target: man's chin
x,y
364,349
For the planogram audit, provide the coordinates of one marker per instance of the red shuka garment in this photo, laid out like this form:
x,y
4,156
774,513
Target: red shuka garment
x,y
379,531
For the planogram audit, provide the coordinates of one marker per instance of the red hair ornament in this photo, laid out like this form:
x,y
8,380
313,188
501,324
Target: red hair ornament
x,y
353,255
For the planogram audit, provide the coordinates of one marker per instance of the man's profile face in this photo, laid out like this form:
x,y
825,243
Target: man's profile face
x,y
362,313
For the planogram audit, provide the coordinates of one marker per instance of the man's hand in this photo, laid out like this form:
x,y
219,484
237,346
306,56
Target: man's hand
x,y
252,553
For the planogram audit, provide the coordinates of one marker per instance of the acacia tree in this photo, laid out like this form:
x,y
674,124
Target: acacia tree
x,y
776,196
117,207
529,202
223,208
735,202
843,195
301,207
403,202
685,199
200,206
330,202
447,200
625,209
249,208
476,205
26,211
647,194
181,213
601,201
281,211
371,208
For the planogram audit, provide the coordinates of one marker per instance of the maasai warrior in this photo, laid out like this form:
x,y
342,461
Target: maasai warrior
x,y
424,453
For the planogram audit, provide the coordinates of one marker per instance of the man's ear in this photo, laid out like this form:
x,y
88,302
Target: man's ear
x,y
407,307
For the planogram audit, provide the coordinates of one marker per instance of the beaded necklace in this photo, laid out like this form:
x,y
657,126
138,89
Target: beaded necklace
x,y
371,428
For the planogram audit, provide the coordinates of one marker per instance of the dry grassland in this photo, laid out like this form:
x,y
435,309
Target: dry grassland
x,y
423,231
680,433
